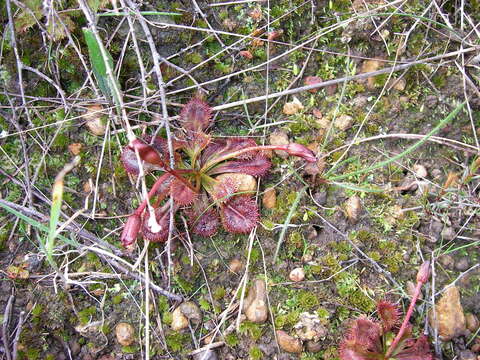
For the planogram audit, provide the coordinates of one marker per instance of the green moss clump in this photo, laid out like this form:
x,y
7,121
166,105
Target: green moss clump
x,y
117,299
307,300
85,315
130,349
362,302
219,293
232,340
251,329
284,321
255,353
374,255
167,317
177,341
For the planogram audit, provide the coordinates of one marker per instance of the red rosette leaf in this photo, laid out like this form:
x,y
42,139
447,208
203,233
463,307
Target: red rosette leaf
x,y
362,341
235,144
346,352
130,163
419,351
181,193
163,218
205,223
239,214
388,314
195,142
196,115
224,188
220,147
258,166
364,333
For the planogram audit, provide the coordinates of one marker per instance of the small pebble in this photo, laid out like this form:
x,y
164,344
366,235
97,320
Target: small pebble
x,y
462,264
472,322
449,318
244,182
279,138
420,171
235,266
448,234
125,334
314,346
269,199
191,311
360,101
179,321
353,208
447,261
343,122
95,121
320,197
288,343
297,274
255,304
435,230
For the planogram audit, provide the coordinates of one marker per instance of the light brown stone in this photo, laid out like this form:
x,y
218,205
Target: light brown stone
x,y
450,320
269,199
288,343
125,334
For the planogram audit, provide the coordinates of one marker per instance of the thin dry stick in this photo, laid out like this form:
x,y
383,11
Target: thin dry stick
x,y
143,76
343,79
18,60
28,184
16,339
6,321
147,303
204,17
50,81
161,87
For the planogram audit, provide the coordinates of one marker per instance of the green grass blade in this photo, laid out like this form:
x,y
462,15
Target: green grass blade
x,y
57,196
287,221
100,65
412,148
37,225
341,163
357,188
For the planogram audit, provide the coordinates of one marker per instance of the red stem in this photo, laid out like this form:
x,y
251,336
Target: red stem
x,y
290,148
400,333
151,193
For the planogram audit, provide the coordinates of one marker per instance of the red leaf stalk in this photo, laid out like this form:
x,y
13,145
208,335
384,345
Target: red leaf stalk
x,y
292,149
152,192
149,154
422,278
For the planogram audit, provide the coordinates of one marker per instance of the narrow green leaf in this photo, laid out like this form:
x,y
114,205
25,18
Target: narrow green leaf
x,y
357,188
101,60
37,225
440,125
287,222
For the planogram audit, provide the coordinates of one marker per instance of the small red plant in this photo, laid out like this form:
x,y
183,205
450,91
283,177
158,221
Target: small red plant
x,y
194,184
369,339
